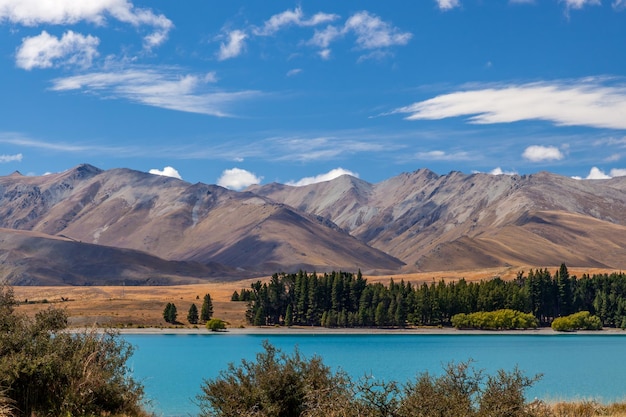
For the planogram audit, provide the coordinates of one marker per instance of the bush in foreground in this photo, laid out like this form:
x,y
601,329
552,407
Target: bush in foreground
x,y
49,371
582,320
280,385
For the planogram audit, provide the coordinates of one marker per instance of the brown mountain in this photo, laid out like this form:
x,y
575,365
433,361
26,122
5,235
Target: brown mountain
x,y
30,258
173,220
88,226
459,221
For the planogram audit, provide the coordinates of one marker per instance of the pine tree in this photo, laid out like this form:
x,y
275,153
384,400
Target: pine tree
x,y
169,313
289,316
192,316
207,308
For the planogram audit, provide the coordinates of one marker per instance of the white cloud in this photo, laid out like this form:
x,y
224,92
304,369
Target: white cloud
x,y
319,148
613,158
323,38
330,175
292,18
619,4
294,72
65,12
538,153
579,4
238,179
324,54
11,158
597,174
499,171
162,87
45,50
443,156
448,4
166,172
234,47
370,30
583,103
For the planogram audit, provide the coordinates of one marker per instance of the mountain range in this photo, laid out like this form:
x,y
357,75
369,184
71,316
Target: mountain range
x,y
89,226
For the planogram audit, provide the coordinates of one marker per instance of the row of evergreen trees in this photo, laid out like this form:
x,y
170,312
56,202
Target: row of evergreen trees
x,y
344,299
170,313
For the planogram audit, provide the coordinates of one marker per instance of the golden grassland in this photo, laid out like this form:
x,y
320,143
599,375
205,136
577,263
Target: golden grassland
x,y
142,306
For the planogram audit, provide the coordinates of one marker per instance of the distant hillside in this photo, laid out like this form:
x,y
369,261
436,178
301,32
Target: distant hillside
x,y
457,221
28,258
177,221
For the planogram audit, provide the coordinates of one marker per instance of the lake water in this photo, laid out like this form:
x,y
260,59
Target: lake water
x,y
172,367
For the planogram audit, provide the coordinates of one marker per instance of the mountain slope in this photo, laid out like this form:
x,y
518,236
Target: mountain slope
x,y
175,220
458,221
29,258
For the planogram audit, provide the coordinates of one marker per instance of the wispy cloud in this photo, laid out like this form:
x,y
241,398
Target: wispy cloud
x,y
320,148
370,31
328,176
45,50
17,139
439,155
67,12
166,172
11,158
619,4
233,47
292,18
238,179
448,4
163,87
538,153
579,103
579,4
294,72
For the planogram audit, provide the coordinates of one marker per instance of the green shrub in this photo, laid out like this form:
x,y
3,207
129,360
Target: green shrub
x,y
505,319
216,325
48,371
275,385
582,320
279,385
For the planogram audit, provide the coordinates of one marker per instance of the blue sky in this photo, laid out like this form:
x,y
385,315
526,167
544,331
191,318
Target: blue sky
x,y
236,93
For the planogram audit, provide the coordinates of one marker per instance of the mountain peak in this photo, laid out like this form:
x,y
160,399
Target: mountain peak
x,y
83,171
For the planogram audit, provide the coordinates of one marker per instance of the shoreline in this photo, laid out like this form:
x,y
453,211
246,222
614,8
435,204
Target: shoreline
x,y
291,331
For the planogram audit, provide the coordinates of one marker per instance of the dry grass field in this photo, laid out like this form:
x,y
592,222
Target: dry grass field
x,y
133,306
143,306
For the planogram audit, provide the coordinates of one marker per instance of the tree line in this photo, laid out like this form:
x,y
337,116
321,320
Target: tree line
x,y
345,299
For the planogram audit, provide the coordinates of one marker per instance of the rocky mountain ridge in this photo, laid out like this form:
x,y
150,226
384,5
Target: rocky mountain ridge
x,y
457,221
66,227
175,221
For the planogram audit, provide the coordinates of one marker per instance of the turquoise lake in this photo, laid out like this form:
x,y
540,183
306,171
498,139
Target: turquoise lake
x,y
172,367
